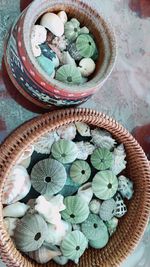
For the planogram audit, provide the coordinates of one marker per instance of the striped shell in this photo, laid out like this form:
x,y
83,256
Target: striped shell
x,y
80,171
85,45
105,185
102,138
121,208
74,245
102,159
107,209
48,176
76,211
68,74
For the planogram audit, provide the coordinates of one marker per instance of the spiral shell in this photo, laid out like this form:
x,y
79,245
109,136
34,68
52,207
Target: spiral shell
x,y
56,233
15,210
85,192
25,158
121,208
72,49
10,224
80,171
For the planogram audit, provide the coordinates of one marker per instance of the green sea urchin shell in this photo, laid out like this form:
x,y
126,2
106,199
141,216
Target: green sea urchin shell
x,y
102,159
68,74
76,211
80,171
74,245
48,176
85,45
105,185
72,29
93,227
30,233
101,242
64,151
107,209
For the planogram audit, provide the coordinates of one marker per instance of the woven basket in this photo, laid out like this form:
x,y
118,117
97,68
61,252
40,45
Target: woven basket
x,y
131,226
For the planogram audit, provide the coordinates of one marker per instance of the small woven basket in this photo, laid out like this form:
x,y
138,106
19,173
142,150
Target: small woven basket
x,y
131,226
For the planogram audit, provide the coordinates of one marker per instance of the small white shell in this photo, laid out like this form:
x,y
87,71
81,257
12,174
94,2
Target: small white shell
x,y
102,138
67,132
53,23
86,66
86,192
43,255
25,158
56,233
11,224
38,35
15,210
119,160
44,143
36,49
83,128
63,16
85,149
94,206
67,59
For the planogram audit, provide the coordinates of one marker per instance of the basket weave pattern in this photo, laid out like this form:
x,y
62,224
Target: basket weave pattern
x,y
130,228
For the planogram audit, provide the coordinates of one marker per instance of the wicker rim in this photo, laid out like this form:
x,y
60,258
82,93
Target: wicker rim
x,y
27,134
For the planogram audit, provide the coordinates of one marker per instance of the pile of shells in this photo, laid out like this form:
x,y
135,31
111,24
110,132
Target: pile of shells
x,y
66,193
63,49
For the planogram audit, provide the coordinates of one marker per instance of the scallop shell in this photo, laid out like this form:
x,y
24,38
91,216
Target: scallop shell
x,y
112,225
94,206
30,233
85,45
125,187
61,260
53,23
74,245
107,209
25,158
100,243
68,74
102,138
121,208
63,16
15,210
43,255
72,29
60,42
83,128
10,224
85,149
67,132
105,185
44,143
17,185
80,171
64,151
119,163
86,67
93,228
76,211
48,176
102,159
85,192
72,49
56,233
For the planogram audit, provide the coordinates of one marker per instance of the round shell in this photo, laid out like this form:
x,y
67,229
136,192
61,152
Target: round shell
x,y
30,233
107,209
100,243
85,45
87,66
93,227
72,29
76,211
105,185
102,159
94,206
64,151
68,74
80,171
74,245
48,176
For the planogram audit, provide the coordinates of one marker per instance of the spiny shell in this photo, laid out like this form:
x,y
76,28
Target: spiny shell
x,y
30,233
17,185
10,224
85,192
38,34
15,210
105,185
68,74
80,171
102,159
60,42
83,128
72,49
53,23
67,59
61,260
121,208
43,254
94,206
48,176
76,211
119,156
86,67
25,157
107,209
125,187
49,54
46,64
67,132
112,225
93,227
44,143
101,242
64,151
72,29
102,138
74,245
56,233
85,45
63,16
85,149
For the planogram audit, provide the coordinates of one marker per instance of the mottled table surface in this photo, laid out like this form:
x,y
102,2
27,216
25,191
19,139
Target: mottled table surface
x,y
126,94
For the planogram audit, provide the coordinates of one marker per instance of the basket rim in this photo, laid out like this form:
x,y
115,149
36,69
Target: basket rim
x,y
27,133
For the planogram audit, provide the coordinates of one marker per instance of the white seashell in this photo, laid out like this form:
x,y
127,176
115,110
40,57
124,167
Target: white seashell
x,y
67,132
67,59
125,187
86,192
83,128
11,224
94,206
57,201
25,158
17,185
102,138
60,42
15,210
61,260
63,16
38,35
43,255
119,160
86,66
56,233
85,149
44,143
53,23
36,49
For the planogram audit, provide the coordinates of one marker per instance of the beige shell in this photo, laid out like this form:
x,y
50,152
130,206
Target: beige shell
x,y
25,158
43,255
86,192
83,128
84,149
63,16
10,224
56,233
15,210
86,66
53,23
67,132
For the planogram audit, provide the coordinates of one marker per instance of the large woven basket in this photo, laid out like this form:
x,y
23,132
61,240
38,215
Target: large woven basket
x,y
130,228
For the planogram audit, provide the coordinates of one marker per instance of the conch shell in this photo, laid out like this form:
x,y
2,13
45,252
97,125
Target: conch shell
x,y
25,158
56,233
86,192
10,224
43,255
15,210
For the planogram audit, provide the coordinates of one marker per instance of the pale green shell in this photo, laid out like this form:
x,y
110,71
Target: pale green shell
x,y
100,243
105,185
102,159
46,64
30,233
64,151
80,171
76,211
72,29
94,206
68,74
112,225
93,227
85,45
74,245
48,176
107,209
